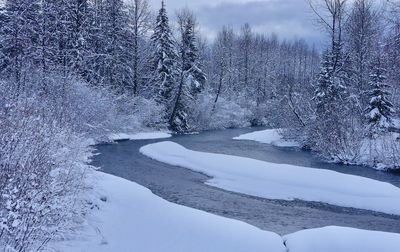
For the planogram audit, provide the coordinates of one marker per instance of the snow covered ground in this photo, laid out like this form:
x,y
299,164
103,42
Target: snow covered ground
x,y
131,218
140,136
270,136
396,123
341,239
281,181
134,219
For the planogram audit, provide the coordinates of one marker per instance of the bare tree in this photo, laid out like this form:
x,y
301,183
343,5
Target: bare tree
x,y
140,22
362,37
222,50
331,14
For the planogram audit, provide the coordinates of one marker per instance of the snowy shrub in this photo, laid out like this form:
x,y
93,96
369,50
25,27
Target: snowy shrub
x,y
45,138
382,152
222,115
341,143
134,113
41,170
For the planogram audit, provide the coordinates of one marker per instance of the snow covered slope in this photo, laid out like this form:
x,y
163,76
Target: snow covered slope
x,y
281,181
270,136
134,219
341,239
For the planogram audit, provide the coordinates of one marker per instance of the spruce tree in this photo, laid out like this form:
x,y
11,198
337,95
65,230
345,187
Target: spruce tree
x,y
163,62
332,103
380,109
192,68
331,89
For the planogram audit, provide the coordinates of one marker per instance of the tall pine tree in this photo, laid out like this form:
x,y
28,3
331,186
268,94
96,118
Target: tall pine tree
x,y
163,62
380,110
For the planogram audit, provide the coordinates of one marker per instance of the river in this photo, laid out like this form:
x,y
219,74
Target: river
x,y
184,187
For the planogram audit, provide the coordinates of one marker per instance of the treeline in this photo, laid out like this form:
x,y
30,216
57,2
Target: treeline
x,y
118,46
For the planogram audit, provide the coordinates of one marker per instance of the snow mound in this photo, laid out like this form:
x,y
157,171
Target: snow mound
x,y
132,218
270,136
341,239
140,136
281,181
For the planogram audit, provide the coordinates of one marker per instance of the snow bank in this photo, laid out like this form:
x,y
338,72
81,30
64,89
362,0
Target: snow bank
x,y
270,136
281,181
134,219
341,239
140,136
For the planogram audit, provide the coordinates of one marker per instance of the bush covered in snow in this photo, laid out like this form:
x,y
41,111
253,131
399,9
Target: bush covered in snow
x,y
45,138
224,114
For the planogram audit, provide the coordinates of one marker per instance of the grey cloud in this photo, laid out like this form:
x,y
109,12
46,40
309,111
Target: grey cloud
x,y
286,18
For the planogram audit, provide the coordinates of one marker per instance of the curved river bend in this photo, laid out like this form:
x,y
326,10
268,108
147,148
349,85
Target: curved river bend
x,y
184,187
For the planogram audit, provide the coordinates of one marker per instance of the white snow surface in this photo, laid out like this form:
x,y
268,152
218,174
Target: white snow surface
x,y
341,239
134,219
270,136
139,136
396,122
281,181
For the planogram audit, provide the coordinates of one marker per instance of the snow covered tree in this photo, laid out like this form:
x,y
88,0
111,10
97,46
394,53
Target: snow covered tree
x,y
245,44
139,17
191,66
191,76
113,52
64,35
362,32
380,109
80,18
163,62
331,84
223,52
19,35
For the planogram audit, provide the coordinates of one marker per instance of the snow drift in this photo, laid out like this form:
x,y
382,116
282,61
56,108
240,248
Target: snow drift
x,y
281,181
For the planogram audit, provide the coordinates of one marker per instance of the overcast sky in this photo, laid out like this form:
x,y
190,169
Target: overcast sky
x,y
287,18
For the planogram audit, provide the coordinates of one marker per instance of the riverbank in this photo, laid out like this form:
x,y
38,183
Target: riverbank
x,y
128,217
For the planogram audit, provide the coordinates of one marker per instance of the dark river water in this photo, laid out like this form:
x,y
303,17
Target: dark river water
x,y
184,187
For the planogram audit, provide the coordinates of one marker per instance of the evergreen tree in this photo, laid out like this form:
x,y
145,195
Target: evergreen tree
x,y
331,87
328,131
113,61
380,110
192,78
192,67
19,33
163,62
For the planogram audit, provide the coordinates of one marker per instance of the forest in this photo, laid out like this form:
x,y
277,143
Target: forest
x,y
72,72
